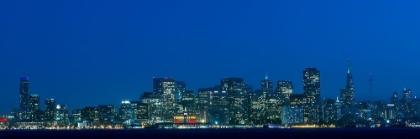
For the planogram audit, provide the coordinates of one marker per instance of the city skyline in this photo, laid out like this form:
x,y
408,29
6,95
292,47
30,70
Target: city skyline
x,y
272,89
109,51
233,102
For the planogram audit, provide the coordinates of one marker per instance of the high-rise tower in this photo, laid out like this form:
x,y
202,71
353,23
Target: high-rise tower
x,y
349,96
284,90
312,91
50,108
34,105
406,103
24,96
311,85
267,85
233,86
166,87
235,89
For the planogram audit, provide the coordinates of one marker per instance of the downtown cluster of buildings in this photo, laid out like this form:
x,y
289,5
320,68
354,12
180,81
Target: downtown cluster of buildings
x,y
232,102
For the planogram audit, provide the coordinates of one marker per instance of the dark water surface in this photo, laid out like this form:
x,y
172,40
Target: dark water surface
x,y
395,133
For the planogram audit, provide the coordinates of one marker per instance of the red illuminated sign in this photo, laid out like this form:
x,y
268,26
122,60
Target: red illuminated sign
x,y
3,120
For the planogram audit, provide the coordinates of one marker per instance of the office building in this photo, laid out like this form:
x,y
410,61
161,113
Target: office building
x,y
312,92
89,114
142,111
62,115
331,111
188,101
24,97
167,88
50,108
108,113
284,90
291,115
406,103
204,100
364,111
76,115
235,89
219,109
125,111
34,105
155,106
134,107
267,85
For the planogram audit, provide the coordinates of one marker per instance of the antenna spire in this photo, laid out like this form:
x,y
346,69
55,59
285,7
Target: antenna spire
x,y
266,76
349,67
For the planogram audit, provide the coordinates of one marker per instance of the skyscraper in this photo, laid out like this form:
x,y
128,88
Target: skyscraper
x,y
62,115
89,114
218,111
188,100
50,108
142,112
76,115
349,96
134,106
406,95
24,97
311,85
107,114
330,111
204,96
154,103
284,90
125,111
311,90
235,88
406,103
267,85
166,87
267,95
34,105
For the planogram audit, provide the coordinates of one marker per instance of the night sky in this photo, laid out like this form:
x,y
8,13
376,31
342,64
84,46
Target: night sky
x,y
85,53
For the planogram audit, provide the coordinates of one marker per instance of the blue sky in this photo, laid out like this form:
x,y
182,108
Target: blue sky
x,y
85,53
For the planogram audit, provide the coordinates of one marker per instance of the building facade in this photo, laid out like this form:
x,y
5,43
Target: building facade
x,y
50,108
312,92
34,106
24,97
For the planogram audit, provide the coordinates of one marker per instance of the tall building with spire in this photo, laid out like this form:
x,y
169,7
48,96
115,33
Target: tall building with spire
x,y
349,96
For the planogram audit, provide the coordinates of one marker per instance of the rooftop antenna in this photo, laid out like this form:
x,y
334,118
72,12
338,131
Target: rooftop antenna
x,y
266,75
348,66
